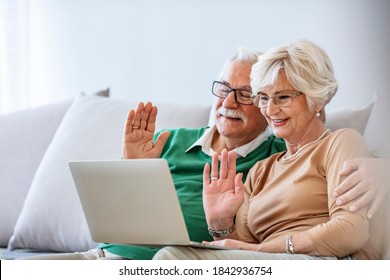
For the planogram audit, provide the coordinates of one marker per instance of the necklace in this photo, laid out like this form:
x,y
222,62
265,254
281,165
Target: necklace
x,y
294,155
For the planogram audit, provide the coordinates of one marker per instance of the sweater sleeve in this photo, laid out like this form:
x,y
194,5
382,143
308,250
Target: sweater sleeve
x,y
345,232
242,227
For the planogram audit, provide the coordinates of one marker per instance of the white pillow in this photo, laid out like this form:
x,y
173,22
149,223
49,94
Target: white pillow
x,y
52,217
377,133
23,144
348,118
25,136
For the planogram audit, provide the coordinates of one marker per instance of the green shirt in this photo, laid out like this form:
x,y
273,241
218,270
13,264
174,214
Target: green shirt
x,y
187,173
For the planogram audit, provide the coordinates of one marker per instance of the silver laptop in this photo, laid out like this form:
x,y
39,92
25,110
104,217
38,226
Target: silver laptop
x,y
131,202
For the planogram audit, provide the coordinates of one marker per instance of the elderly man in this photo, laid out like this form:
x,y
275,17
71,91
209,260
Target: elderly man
x,y
239,126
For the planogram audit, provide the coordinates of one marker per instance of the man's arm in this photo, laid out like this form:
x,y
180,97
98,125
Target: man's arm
x,y
367,183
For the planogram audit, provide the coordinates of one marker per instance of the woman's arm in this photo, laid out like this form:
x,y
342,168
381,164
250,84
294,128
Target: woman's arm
x,y
345,232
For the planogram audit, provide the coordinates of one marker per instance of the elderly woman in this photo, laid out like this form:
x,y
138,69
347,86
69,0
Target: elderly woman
x,y
286,209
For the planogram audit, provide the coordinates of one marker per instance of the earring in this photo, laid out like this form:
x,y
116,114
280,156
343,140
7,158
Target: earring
x,y
318,114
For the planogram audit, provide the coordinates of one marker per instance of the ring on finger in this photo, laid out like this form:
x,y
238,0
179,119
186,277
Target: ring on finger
x,y
213,178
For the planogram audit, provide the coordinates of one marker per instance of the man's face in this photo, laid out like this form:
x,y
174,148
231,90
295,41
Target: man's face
x,y
245,122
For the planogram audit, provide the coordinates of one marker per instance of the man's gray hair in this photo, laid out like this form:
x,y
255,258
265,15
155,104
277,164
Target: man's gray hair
x,y
242,55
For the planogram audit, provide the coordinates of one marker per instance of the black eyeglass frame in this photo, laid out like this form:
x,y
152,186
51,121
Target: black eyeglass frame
x,y
234,90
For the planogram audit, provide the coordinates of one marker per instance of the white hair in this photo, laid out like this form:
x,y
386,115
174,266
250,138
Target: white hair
x,y
242,55
307,67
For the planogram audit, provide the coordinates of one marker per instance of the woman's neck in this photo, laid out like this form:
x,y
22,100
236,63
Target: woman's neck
x,y
310,135
310,138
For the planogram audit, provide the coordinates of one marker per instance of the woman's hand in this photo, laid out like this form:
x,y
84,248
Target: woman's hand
x,y
223,191
302,244
234,244
139,131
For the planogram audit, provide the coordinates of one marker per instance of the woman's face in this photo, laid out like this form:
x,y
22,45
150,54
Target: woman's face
x,y
291,123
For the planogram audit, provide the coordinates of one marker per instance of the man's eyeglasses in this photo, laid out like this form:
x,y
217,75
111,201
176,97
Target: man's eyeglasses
x,y
282,99
242,96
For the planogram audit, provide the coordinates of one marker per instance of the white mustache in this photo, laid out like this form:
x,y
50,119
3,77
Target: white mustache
x,y
231,113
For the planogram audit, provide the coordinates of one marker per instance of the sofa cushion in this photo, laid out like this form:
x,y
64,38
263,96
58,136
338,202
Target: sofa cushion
x,y
24,136
348,118
377,132
52,217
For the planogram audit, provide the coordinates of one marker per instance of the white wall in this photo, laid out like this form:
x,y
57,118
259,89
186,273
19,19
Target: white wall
x,y
171,50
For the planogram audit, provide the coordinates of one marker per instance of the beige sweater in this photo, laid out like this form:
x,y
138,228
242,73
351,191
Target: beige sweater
x,y
286,197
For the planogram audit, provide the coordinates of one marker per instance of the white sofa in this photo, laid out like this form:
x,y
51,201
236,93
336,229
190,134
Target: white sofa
x,y
40,210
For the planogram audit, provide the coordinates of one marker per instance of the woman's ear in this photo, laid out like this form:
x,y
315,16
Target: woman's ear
x,y
318,108
320,113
